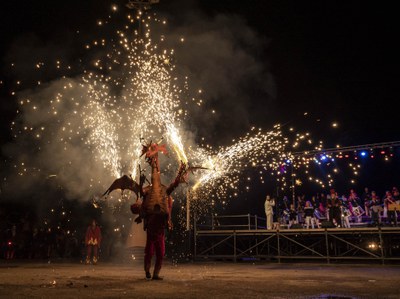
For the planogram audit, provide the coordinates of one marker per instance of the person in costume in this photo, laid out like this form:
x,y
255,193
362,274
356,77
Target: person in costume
x,y
92,242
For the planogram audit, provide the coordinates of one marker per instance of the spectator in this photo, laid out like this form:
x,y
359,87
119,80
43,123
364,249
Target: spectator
x,y
292,216
300,208
334,208
309,215
11,243
354,205
391,213
375,209
315,202
269,211
92,242
345,212
365,199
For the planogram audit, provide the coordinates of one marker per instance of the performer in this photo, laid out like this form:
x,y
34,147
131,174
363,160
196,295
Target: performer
x,y
156,208
323,204
155,225
391,214
320,213
92,242
334,208
345,212
366,198
283,210
300,208
376,209
292,216
354,205
309,215
269,211
315,202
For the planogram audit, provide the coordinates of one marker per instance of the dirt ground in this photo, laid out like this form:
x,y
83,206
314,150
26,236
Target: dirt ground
x,y
198,280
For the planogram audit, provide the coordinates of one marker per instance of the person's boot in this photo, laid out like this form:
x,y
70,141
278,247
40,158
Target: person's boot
x,y
87,262
94,260
148,275
156,277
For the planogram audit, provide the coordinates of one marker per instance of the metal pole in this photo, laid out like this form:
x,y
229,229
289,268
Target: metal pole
x,y
195,236
234,246
279,247
188,209
381,241
248,221
327,246
256,221
293,192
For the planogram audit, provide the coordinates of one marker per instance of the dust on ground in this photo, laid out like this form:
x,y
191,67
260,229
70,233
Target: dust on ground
x,y
198,280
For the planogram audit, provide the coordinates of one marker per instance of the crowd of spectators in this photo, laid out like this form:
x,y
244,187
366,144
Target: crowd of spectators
x,y
340,210
23,236
23,239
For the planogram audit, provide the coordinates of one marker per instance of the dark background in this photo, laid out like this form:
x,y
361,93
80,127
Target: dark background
x,y
338,61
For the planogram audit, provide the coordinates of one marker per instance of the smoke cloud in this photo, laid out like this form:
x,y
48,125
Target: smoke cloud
x,y
225,59
220,55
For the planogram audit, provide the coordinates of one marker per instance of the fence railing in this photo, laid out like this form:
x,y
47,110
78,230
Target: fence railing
x,y
224,222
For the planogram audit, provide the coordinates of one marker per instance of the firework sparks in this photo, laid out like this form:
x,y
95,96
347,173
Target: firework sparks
x,y
132,92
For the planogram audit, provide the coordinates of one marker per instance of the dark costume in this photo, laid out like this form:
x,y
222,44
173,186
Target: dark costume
x,y
309,212
375,209
334,204
292,215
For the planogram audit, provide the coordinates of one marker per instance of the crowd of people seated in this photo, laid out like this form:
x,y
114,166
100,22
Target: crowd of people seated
x,y
341,210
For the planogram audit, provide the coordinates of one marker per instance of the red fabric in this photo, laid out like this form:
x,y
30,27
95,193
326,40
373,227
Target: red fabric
x,y
93,236
89,250
155,242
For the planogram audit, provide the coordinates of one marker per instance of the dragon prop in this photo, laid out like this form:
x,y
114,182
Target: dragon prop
x,y
127,182
156,196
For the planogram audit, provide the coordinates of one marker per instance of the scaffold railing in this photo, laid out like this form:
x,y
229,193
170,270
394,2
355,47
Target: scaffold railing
x,y
243,221
248,240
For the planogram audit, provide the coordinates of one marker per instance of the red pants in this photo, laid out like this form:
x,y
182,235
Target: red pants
x,y
155,242
89,251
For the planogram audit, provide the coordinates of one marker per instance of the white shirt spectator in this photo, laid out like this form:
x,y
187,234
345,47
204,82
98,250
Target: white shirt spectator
x,y
269,211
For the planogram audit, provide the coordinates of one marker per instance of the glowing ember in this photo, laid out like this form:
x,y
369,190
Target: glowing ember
x,y
132,92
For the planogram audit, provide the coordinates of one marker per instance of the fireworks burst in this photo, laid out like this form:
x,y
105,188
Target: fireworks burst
x,y
132,92
82,133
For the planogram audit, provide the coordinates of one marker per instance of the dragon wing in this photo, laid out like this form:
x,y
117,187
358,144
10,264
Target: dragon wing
x,y
124,182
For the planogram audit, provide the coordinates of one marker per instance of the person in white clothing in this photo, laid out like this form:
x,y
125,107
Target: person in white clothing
x,y
269,211
309,215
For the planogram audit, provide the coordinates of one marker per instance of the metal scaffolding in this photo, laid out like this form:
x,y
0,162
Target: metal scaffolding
x,y
380,244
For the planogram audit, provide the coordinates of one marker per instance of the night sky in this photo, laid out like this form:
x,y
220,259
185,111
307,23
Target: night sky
x,y
336,60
